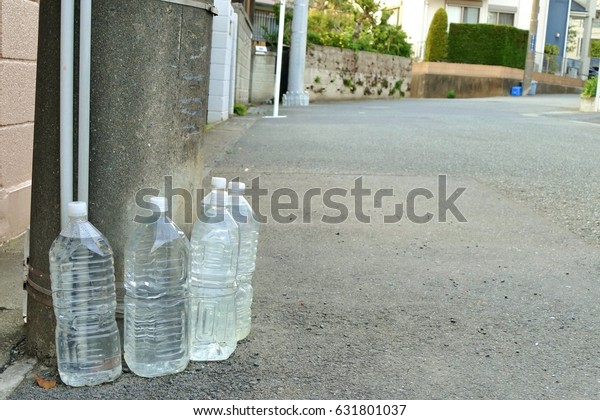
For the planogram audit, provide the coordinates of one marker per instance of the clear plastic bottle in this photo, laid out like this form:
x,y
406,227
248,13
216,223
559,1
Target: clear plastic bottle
x,y
214,254
88,347
216,184
156,296
242,213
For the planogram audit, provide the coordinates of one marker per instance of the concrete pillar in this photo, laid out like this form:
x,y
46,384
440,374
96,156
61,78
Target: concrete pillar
x,y
149,90
296,96
220,62
233,65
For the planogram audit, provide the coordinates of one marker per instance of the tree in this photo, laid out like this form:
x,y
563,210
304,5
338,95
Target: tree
x,y
355,24
595,48
436,45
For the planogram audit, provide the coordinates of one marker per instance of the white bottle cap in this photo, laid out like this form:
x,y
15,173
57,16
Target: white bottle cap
x,y
218,183
160,202
219,199
237,187
77,209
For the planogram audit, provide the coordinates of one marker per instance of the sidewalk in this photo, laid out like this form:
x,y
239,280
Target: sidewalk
x,y
14,364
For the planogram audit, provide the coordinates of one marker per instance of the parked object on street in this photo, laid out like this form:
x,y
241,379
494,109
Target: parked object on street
x,y
88,346
214,255
248,228
156,296
532,88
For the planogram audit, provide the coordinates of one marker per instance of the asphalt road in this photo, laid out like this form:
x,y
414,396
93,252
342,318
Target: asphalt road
x,y
502,305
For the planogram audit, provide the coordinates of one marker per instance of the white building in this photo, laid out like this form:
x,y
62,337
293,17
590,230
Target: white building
x,y
576,26
415,16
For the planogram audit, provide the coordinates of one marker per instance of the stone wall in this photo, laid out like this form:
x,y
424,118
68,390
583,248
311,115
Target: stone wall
x,y
18,54
340,74
244,55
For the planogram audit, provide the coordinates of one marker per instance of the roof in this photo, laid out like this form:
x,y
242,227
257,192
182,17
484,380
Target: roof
x,y
577,7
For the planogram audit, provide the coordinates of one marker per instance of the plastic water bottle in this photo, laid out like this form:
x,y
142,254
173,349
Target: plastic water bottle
x,y
216,184
248,226
156,296
88,347
214,254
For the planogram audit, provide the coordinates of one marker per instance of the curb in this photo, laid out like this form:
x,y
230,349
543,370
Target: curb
x,y
12,377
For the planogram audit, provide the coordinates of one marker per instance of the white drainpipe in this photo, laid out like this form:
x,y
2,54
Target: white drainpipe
x,y
67,12
67,38
85,59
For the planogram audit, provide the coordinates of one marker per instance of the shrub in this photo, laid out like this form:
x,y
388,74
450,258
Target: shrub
x,y
550,58
436,45
595,48
589,88
240,109
494,45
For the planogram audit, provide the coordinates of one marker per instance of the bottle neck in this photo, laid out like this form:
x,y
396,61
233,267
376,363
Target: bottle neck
x,y
78,219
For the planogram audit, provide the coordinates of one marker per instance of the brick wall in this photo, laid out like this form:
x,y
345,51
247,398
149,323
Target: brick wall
x,y
18,52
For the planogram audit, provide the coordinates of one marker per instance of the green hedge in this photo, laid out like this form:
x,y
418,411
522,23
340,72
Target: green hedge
x,y
436,46
496,45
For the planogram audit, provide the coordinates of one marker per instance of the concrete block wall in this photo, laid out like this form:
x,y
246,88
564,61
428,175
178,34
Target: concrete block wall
x,y
18,54
220,63
263,77
244,55
435,80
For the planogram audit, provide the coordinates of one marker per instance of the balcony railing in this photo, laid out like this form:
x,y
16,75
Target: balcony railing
x,y
265,23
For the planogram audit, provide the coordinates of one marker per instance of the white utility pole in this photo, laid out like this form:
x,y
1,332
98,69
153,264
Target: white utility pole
x,y
296,96
587,35
281,29
530,60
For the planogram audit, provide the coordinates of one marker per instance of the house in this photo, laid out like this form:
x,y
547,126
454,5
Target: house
x,y
577,17
264,21
415,16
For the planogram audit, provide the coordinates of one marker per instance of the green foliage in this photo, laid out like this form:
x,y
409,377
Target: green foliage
x,y
496,45
589,88
271,38
571,39
436,45
450,94
349,84
595,48
355,25
397,88
551,49
550,58
240,109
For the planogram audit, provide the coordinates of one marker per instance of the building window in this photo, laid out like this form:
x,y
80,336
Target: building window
x,y
462,14
501,18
